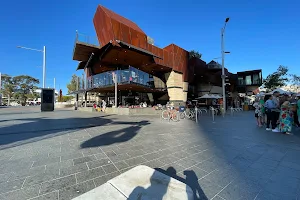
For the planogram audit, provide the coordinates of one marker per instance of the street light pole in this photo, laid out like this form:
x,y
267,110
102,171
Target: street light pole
x,y
44,66
223,68
44,60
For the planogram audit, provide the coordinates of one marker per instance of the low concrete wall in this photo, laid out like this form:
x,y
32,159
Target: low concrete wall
x,y
125,111
63,105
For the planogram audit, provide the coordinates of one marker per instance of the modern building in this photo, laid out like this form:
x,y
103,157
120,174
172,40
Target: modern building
x,y
144,71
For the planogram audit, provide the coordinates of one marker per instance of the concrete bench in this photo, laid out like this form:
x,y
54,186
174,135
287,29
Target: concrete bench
x,y
140,183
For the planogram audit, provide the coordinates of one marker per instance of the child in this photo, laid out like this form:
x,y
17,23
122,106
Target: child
x,y
258,112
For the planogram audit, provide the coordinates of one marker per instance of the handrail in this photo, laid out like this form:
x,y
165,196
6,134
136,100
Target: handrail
x,y
86,39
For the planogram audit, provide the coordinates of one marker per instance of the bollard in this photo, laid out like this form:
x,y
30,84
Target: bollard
x,y
213,114
196,113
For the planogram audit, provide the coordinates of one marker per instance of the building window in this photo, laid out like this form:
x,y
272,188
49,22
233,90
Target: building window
x,y
248,80
256,79
241,81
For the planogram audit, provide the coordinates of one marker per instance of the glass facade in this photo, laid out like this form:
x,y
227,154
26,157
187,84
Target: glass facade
x,y
248,80
128,75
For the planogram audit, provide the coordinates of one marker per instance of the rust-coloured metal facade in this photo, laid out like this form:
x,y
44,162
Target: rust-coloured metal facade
x,y
111,27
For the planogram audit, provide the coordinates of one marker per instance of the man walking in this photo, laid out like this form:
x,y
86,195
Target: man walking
x,y
275,111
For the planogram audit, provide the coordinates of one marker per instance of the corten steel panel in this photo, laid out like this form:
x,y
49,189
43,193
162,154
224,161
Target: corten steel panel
x,y
125,32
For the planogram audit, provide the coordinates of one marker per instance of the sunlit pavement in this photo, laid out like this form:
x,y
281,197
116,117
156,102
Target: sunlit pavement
x,y
62,154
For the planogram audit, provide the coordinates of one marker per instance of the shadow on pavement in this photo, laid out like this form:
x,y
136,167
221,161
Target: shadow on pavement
x,y
157,189
191,180
28,130
117,136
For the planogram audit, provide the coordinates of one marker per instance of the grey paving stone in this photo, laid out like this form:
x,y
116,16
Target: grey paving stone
x,y
73,191
98,163
121,165
56,184
119,157
205,188
103,179
67,155
109,168
73,169
49,196
218,198
135,161
45,160
100,156
59,165
11,185
90,174
152,156
135,153
263,195
241,189
40,178
282,185
5,177
84,159
24,193
154,164
28,172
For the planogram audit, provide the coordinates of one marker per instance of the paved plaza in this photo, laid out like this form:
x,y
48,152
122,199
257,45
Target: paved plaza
x,y
62,154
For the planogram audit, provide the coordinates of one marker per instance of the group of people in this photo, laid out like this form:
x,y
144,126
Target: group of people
x,y
278,112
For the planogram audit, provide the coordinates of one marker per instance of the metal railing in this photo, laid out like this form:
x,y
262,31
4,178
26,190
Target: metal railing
x,y
87,39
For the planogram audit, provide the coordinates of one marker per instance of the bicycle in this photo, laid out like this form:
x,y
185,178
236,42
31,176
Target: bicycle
x,y
170,114
187,114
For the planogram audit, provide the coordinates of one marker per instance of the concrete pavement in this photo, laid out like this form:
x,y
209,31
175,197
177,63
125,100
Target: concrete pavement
x,y
62,154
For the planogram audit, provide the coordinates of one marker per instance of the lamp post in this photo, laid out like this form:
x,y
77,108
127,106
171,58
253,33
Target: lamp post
x,y
223,69
44,60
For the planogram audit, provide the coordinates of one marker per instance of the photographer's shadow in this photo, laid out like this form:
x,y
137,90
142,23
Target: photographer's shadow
x,y
190,180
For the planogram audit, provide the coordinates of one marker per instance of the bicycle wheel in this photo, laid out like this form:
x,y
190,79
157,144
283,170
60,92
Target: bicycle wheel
x,y
175,116
182,115
191,114
165,115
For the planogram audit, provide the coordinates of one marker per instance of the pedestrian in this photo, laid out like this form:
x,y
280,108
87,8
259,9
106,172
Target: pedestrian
x,y
286,117
103,105
269,105
263,117
275,111
258,112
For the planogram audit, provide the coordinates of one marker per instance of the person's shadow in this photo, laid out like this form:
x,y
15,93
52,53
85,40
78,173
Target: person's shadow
x,y
190,180
155,191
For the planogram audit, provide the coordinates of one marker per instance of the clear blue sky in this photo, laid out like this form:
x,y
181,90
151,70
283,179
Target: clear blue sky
x,y
260,34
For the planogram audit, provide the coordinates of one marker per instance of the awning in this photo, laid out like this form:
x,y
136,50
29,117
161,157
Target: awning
x,y
140,50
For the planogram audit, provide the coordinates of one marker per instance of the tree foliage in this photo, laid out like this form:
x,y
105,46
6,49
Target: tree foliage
x,y
276,79
195,54
8,86
25,87
72,86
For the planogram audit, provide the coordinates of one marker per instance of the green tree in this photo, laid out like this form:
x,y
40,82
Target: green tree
x,y
196,54
276,79
295,80
8,87
74,83
25,87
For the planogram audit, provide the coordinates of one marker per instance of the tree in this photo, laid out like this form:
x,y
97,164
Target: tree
x,y
72,86
195,54
295,81
276,79
25,87
8,87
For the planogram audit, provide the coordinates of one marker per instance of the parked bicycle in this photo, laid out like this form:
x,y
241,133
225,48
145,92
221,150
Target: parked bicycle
x,y
170,114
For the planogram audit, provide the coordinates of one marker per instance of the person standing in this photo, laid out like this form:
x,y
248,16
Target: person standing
x,y
103,105
286,117
263,117
269,105
258,112
275,111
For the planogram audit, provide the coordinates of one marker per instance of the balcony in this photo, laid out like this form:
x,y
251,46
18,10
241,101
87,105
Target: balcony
x,y
130,75
84,46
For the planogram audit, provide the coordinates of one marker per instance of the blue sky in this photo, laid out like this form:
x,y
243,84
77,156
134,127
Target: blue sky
x,y
259,35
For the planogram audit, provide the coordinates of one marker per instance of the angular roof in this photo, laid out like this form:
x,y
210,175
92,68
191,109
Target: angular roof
x,y
121,19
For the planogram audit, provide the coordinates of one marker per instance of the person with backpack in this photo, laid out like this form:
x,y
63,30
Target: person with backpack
x,y
269,105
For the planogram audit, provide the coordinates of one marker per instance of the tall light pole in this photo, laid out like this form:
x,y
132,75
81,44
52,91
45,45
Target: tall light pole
x,y
44,60
223,69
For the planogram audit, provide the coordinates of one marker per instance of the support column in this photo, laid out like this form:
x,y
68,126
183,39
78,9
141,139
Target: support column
x,y
177,89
